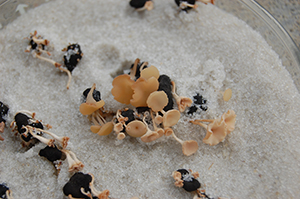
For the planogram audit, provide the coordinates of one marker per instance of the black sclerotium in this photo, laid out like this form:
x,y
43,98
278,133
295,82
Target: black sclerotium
x,y
77,181
192,109
3,111
166,86
23,120
72,56
35,46
52,153
138,72
96,94
138,3
129,113
142,109
3,190
185,8
189,182
198,101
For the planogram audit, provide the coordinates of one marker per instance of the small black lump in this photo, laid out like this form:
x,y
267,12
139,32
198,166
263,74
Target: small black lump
x,y
77,181
96,94
72,56
189,182
138,3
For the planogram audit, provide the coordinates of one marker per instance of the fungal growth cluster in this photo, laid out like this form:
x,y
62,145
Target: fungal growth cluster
x,y
186,5
152,96
187,180
37,46
31,131
81,185
150,115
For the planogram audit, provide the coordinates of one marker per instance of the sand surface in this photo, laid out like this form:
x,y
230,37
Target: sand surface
x,y
205,51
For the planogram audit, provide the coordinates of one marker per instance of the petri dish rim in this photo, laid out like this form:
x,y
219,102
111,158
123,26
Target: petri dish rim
x,y
247,10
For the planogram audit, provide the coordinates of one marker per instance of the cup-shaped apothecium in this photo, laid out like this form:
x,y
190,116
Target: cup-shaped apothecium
x,y
142,89
219,128
157,100
74,164
90,105
103,129
152,135
189,147
122,90
182,102
136,128
135,88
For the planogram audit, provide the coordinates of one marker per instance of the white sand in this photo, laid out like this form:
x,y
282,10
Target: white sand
x,y
203,51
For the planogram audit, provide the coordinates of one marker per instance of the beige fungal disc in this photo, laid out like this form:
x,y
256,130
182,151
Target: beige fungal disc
x,y
150,135
157,100
151,71
182,102
105,129
227,94
101,195
142,88
158,119
170,118
189,147
122,90
121,136
118,127
229,118
90,105
168,131
101,127
74,164
217,129
95,128
136,128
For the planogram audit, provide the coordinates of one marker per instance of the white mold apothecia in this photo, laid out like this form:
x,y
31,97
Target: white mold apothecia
x,y
219,128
